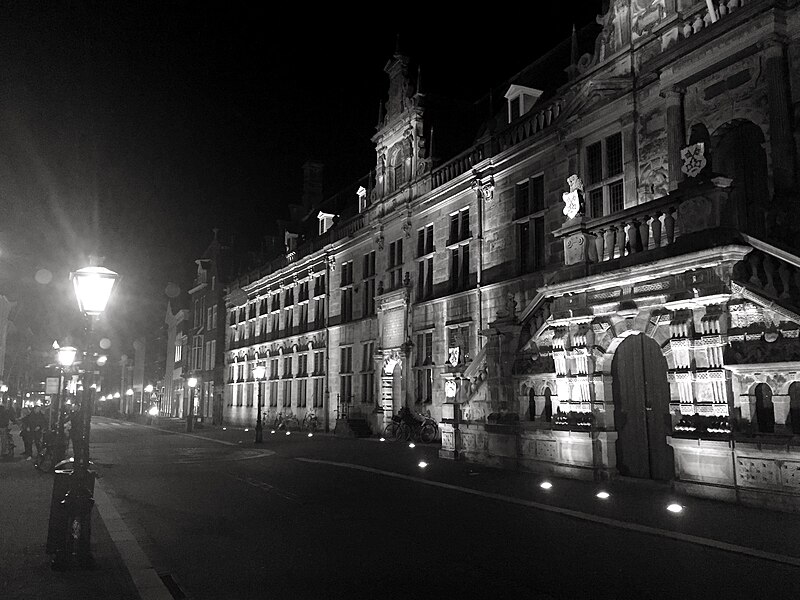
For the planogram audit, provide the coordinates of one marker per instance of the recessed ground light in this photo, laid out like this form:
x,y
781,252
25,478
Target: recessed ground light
x,y
603,495
545,485
310,435
224,429
288,433
422,464
675,508
246,429
383,439
412,445
273,431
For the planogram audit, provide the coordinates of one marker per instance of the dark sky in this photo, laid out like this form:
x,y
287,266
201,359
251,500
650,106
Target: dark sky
x,y
134,128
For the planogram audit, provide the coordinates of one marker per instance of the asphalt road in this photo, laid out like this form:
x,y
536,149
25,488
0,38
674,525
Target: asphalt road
x,y
325,517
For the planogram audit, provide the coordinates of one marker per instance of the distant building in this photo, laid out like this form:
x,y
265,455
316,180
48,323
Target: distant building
x,y
602,283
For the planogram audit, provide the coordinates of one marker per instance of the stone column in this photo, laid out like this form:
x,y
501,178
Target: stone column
x,y
676,134
780,131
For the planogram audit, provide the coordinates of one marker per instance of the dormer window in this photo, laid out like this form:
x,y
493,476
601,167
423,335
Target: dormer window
x,y
362,198
520,100
290,239
325,221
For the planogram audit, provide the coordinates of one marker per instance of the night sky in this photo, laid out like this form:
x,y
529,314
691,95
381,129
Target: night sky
x,y
131,129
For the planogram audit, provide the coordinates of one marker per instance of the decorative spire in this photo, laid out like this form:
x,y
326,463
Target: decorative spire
x,y
574,53
419,79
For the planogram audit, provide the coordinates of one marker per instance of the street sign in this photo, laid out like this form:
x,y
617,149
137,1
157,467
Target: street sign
x,y
51,385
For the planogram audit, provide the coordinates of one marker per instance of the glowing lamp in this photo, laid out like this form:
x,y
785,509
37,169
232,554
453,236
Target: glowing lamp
x,y
93,286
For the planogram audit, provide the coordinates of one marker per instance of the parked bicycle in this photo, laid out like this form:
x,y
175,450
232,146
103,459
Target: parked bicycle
x,y
310,422
407,426
45,459
6,443
285,422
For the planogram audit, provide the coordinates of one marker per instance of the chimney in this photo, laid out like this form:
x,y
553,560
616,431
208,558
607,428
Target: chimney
x,y
312,184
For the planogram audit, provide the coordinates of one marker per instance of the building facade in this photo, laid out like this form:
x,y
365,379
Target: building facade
x,y
174,399
603,284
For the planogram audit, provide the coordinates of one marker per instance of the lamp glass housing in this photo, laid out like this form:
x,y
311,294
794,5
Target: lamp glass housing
x,y
259,372
129,392
93,286
192,382
66,355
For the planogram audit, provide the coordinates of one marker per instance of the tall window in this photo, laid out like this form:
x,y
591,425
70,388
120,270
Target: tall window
x,y
368,373
424,348
368,285
604,180
425,278
459,267
302,369
197,352
273,368
287,394
319,312
273,393
346,374
396,264
425,241
211,355
459,226
531,244
319,363
424,367
319,392
347,291
287,367
529,196
288,319
301,392
302,317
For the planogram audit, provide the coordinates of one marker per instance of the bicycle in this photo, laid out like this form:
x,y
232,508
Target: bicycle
x,y
405,426
6,444
285,422
310,422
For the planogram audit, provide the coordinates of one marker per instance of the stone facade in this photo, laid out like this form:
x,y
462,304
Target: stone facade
x,y
652,332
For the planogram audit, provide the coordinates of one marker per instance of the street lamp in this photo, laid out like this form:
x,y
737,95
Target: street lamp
x,y
192,383
259,373
93,286
129,401
65,356
148,389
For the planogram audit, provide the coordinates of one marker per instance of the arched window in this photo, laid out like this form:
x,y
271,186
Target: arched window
x,y
794,407
765,411
548,405
532,405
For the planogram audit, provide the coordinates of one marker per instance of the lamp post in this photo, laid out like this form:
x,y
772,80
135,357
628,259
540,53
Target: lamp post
x,y
66,356
93,286
192,383
129,401
259,373
148,389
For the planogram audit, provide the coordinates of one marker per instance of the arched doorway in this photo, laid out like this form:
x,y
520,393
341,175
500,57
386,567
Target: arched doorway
x,y
641,409
765,411
738,152
531,405
548,405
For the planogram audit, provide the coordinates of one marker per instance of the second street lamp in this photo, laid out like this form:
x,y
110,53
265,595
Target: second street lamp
x,y
192,383
259,373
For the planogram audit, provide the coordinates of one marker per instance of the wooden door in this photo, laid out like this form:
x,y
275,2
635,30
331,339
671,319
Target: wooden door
x,y
641,409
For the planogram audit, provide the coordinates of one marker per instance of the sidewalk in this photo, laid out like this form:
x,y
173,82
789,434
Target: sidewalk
x,y
25,572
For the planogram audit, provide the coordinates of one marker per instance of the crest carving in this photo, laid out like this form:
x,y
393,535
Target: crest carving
x,y
694,159
573,199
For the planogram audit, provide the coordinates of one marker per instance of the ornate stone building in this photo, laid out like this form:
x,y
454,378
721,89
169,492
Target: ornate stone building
x,y
603,283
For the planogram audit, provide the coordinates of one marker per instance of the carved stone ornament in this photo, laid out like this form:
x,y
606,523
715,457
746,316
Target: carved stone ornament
x,y
379,241
453,356
332,263
484,189
407,228
573,199
694,159
450,388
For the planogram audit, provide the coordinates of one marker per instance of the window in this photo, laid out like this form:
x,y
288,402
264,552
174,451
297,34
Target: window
x,y
178,351
197,353
288,319
302,310
319,313
368,285
319,392
459,227
288,297
765,410
303,365
531,244
459,344
301,393
529,196
425,278
347,304
604,178
276,303
273,393
287,367
209,313
319,285
319,363
303,292
459,267
399,171
368,373
211,355
273,368
396,264
425,241
424,386
287,394
425,348
347,273
346,374
276,324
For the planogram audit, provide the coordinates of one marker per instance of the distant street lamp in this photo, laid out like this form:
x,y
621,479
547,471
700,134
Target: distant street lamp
x,y
93,286
148,389
129,401
192,383
259,373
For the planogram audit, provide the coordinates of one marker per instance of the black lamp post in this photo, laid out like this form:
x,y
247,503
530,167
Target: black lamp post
x,y
66,356
192,383
259,373
93,287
